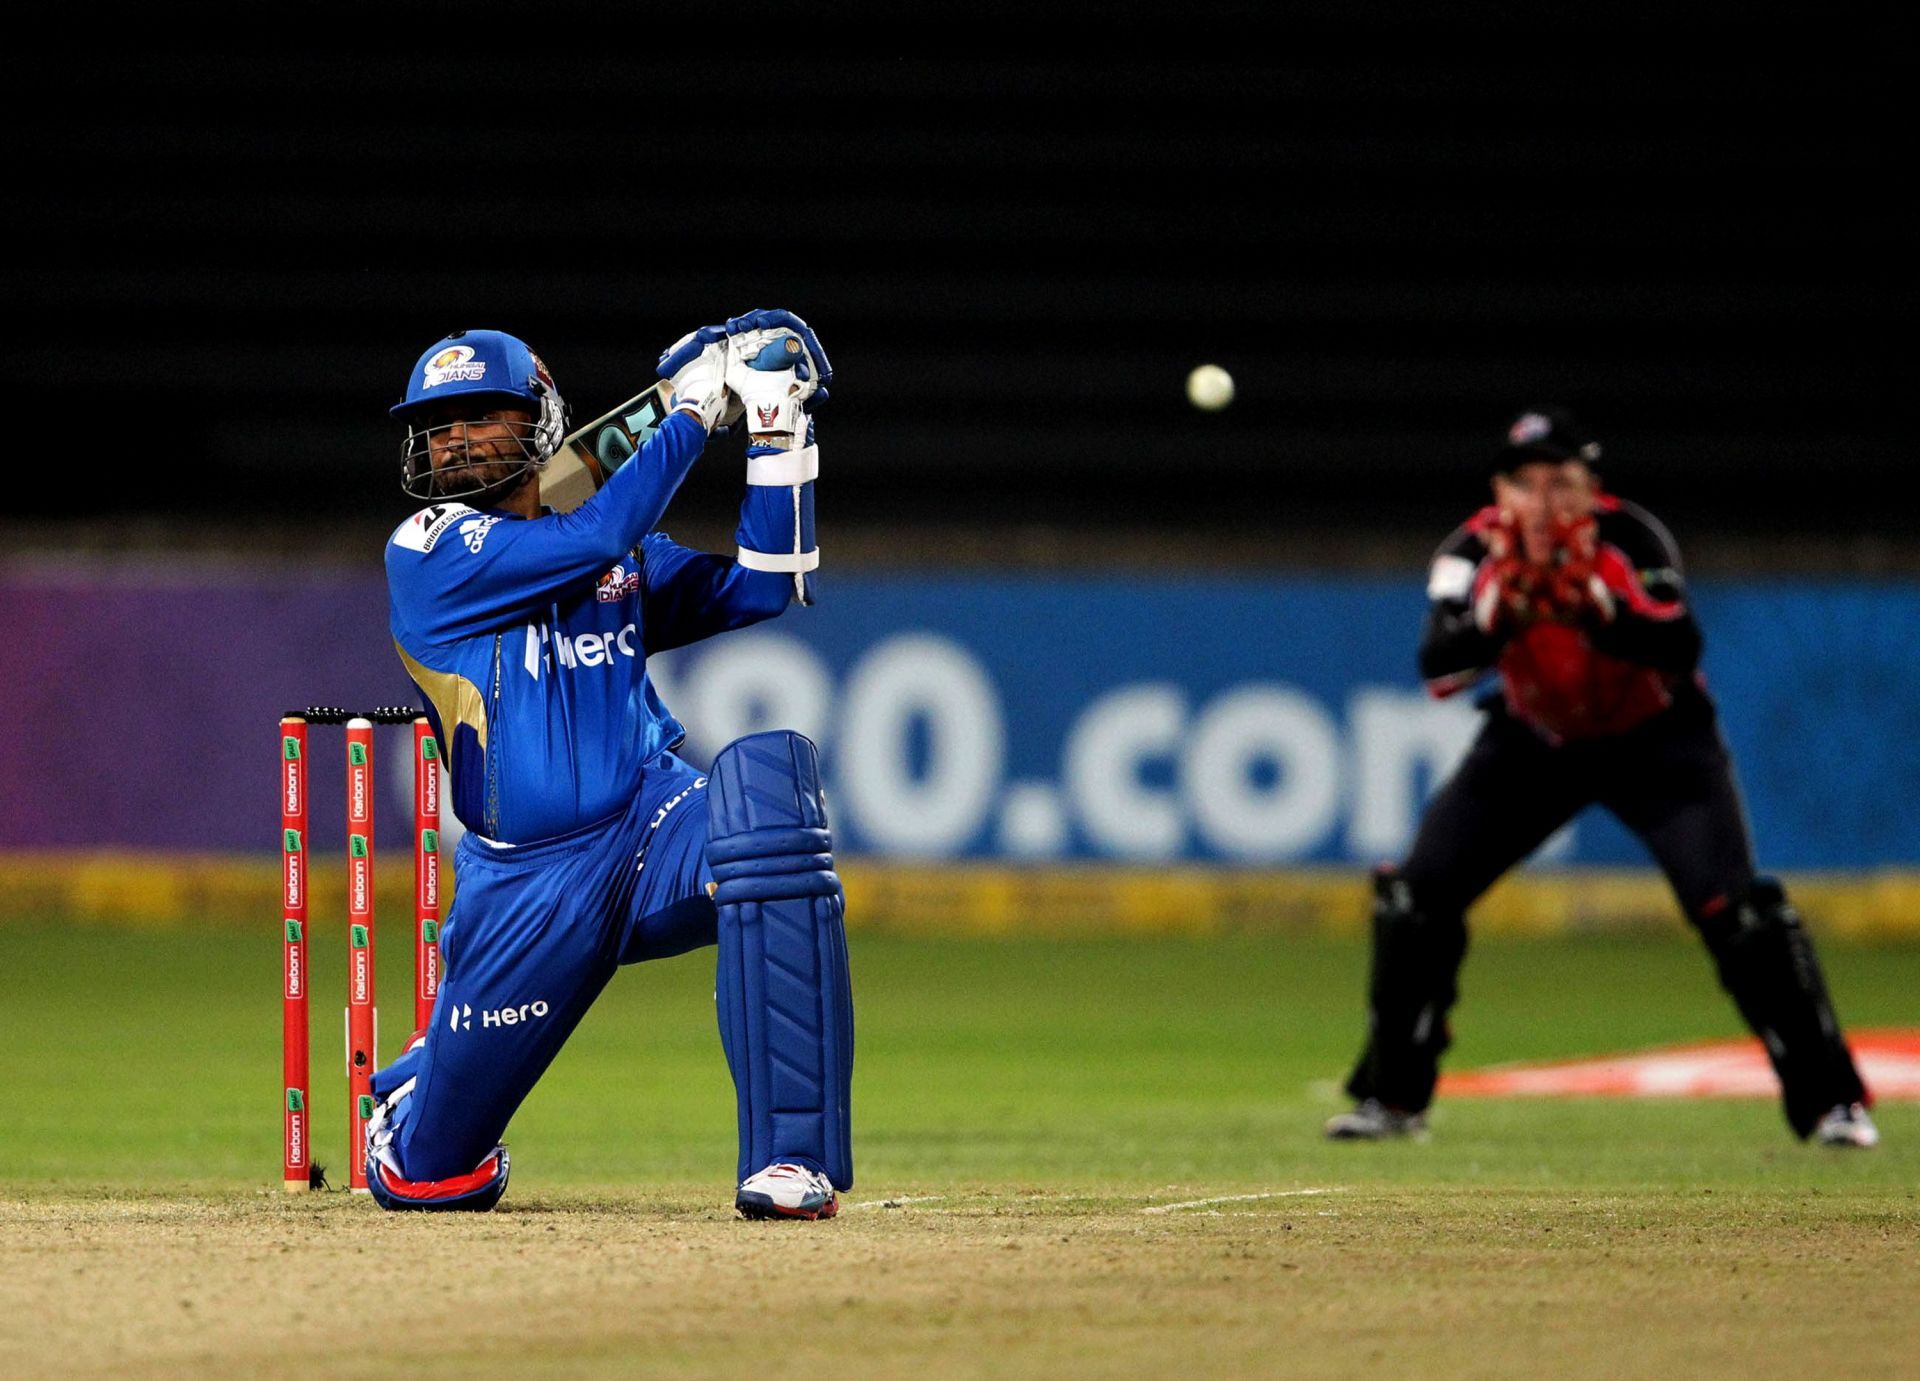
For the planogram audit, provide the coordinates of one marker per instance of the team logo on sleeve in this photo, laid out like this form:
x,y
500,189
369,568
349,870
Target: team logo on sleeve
x,y
616,585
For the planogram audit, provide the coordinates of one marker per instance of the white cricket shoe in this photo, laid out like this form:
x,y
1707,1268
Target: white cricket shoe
x,y
1372,1120
786,1191
1846,1124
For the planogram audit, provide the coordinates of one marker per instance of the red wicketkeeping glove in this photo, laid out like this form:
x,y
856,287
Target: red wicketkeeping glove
x,y
1572,588
1507,589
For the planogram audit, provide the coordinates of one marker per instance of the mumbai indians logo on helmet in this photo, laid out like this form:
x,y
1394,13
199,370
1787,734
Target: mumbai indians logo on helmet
x,y
455,364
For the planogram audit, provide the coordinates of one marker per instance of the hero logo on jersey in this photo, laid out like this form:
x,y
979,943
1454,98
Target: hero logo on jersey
x,y
580,650
616,585
474,532
455,364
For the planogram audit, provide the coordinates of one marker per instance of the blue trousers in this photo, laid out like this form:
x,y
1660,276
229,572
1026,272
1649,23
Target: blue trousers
x,y
534,934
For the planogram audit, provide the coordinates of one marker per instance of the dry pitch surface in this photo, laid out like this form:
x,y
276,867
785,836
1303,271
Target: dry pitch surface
x,y
1342,1283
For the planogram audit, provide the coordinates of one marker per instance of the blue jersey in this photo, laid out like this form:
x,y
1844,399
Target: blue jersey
x,y
529,639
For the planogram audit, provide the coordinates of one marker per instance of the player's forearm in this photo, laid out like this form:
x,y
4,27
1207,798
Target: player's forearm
x,y
1671,644
776,533
750,597
1453,649
635,496
1641,615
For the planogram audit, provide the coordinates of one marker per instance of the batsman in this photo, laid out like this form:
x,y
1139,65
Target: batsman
x,y
590,843
1576,599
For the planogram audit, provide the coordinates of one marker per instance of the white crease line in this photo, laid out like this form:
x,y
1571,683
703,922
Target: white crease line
x,y
1238,1199
895,1203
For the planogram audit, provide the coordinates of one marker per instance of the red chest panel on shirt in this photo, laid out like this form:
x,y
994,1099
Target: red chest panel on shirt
x,y
1553,678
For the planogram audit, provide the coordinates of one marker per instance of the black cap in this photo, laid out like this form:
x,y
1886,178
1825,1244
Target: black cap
x,y
1545,434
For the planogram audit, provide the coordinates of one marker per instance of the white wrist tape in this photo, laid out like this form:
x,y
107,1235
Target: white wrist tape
x,y
793,562
785,468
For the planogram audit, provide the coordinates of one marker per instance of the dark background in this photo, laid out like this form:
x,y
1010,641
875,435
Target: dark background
x,y
1015,228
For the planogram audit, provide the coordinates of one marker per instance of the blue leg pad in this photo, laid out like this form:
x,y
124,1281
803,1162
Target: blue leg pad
x,y
784,996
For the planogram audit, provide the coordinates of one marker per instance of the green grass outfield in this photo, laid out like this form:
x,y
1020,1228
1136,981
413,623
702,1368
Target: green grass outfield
x,y
1025,1103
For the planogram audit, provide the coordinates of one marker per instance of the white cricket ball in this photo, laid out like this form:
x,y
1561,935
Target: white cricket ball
x,y
1209,387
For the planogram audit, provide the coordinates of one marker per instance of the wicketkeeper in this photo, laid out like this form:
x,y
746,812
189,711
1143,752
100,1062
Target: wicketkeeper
x,y
1576,599
589,843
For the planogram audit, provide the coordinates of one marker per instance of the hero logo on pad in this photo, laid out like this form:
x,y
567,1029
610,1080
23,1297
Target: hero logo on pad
x,y
455,364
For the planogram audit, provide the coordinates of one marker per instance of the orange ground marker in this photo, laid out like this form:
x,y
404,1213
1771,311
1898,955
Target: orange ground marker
x,y
1889,1062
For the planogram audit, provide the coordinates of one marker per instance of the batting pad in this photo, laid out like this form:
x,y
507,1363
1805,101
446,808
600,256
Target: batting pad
x,y
782,989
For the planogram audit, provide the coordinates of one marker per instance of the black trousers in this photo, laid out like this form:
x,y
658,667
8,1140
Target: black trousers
x,y
1671,781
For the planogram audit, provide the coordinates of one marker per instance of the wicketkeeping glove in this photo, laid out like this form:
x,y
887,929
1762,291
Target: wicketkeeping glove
x,y
1572,583
1506,588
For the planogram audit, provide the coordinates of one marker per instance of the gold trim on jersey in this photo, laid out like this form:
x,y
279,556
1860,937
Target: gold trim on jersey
x,y
457,700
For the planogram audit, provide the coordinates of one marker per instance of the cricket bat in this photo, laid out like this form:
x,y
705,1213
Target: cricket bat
x,y
591,453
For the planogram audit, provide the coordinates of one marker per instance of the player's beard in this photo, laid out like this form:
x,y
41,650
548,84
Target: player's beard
x,y
494,493
485,477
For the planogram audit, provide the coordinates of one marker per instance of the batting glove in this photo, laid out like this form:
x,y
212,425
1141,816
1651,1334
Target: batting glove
x,y
778,370
696,366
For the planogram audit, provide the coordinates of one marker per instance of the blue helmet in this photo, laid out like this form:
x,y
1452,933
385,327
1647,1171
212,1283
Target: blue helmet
x,y
486,363
487,366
